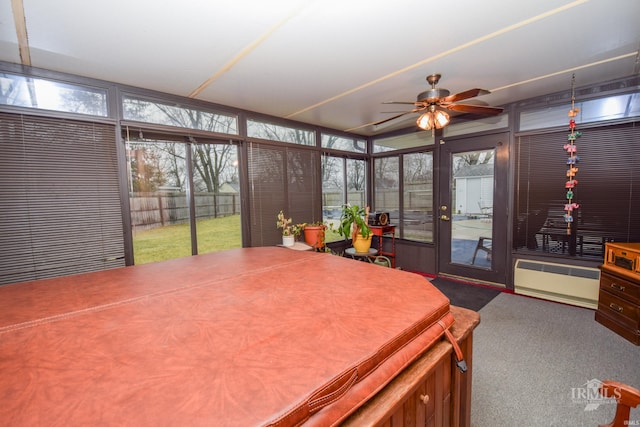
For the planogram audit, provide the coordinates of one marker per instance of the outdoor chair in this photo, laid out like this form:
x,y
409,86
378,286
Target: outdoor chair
x,y
484,244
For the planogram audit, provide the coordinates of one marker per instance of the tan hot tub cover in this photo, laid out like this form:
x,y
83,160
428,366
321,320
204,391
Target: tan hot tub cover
x,y
255,336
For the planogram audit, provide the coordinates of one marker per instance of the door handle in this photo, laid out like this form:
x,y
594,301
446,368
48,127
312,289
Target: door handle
x,y
445,218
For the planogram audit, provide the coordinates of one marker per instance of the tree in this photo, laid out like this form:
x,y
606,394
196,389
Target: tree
x,y
356,175
10,91
146,174
213,166
472,158
418,168
332,175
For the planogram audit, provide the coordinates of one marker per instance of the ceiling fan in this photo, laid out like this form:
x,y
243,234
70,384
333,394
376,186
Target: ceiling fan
x,y
434,101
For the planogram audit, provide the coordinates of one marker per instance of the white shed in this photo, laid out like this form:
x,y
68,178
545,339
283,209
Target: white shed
x,y
474,189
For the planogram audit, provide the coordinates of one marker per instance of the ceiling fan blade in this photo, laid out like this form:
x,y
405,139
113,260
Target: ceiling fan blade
x,y
402,102
465,95
475,109
393,117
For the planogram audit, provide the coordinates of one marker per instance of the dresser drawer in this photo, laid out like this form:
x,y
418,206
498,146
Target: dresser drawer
x,y
626,332
620,287
620,310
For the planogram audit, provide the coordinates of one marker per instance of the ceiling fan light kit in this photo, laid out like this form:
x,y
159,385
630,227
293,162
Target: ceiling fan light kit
x,y
436,119
436,100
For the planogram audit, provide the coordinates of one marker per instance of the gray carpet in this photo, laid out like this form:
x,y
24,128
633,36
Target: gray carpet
x,y
533,361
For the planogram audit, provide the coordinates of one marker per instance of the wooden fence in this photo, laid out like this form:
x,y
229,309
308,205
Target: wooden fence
x,y
150,210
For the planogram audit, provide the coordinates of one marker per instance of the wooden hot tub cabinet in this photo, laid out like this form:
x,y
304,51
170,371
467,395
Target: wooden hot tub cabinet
x,y
251,337
430,392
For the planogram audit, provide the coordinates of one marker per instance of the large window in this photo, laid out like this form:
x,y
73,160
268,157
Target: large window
x,y
608,173
595,110
387,187
417,216
333,187
216,188
184,197
409,140
142,110
343,143
343,181
274,132
32,92
404,189
158,200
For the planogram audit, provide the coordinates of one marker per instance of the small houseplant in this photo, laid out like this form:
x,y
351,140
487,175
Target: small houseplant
x,y
314,234
289,230
354,223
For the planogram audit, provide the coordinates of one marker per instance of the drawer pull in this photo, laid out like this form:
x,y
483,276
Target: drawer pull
x,y
617,287
615,307
424,398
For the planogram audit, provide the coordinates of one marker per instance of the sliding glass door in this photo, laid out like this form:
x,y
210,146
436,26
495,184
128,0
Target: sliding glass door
x,y
184,197
158,200
216,195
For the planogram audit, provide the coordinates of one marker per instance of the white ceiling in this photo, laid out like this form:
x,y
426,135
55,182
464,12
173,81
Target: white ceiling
x,y
328,62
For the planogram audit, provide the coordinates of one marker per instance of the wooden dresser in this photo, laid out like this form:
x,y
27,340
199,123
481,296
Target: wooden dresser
x,y
619,295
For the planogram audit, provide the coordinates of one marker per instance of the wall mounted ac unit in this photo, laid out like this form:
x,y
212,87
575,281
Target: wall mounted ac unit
x,y
558,282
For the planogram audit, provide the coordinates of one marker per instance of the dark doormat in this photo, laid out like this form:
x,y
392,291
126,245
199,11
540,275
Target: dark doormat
x,y
461,294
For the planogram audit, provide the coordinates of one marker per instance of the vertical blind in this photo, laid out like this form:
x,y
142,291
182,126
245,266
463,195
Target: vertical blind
x,y
60,211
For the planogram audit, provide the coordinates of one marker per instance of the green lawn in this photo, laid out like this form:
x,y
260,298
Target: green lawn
x,y
174,241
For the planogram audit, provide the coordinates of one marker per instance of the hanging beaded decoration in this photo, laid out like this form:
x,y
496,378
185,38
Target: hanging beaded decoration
x,y
572,161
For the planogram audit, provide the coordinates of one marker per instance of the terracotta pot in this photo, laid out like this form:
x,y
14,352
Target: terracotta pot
x,y
314,236
362,245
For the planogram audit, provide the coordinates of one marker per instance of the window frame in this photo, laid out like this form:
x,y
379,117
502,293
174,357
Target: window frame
x,y
401,216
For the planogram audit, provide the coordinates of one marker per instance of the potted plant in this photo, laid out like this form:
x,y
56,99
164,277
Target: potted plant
x,y
314,234
289,231
354,224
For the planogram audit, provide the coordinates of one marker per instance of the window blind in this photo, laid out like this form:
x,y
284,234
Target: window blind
x,y
60,210
608,189
281,178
